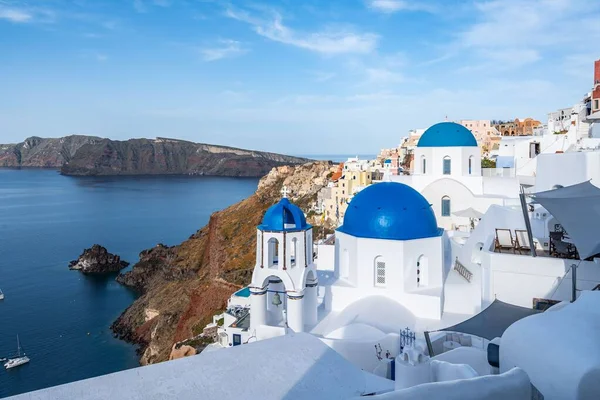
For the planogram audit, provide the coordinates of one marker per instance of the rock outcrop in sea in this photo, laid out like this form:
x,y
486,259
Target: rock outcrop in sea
x,y
182,287
89,155
97,260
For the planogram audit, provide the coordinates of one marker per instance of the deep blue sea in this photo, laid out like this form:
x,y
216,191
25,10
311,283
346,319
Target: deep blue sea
x,y
63,317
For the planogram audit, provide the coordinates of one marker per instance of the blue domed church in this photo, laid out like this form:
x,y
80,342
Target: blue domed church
x,y
390,245
446,169
283,291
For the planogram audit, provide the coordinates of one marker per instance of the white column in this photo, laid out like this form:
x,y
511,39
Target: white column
x,y
275,315
258,307
295,311
310,302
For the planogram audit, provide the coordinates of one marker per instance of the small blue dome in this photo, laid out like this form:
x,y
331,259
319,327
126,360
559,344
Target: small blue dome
x,y
390,210
284,216
447,134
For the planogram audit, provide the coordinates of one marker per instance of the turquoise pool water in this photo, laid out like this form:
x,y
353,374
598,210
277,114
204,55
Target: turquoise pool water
x,y
245,292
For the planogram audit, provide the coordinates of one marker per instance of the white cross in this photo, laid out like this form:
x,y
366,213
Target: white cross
x,y
284,192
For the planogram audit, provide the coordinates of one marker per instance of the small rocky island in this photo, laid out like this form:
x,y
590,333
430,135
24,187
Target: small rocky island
x,y
97,260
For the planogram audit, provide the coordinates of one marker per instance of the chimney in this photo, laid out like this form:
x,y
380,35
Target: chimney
x,y
596,72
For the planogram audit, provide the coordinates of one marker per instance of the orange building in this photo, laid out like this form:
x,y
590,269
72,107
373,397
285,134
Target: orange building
x,y
596,90
516,127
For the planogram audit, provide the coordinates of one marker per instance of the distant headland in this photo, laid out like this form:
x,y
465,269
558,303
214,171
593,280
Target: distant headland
x,y
91,156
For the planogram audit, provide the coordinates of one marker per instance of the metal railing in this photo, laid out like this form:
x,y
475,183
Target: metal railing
x,y
463,271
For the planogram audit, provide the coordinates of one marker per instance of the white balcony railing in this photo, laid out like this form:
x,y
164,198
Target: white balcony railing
x,y
498,172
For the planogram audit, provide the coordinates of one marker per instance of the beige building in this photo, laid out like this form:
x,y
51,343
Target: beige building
x,y
485,133
336,196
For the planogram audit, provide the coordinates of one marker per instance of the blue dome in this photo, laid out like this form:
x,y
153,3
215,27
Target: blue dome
x,y
284,216
390,211
447,134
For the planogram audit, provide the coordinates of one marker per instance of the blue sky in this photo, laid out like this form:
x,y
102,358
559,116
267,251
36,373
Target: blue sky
x,y
292,76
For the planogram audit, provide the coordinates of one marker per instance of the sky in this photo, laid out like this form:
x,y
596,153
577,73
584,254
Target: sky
x,y
290,76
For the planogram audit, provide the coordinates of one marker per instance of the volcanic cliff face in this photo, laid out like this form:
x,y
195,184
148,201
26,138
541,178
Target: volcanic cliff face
x,y
89,155
183,286
43,153
169,156
97,260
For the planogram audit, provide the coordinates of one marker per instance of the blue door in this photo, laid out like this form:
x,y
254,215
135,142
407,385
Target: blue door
x,y
237,339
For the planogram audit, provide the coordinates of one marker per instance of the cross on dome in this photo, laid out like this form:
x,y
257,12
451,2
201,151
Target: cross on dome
x,y
284,192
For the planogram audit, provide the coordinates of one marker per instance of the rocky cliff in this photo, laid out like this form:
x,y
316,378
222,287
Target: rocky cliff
x,y
43,153
88,155
183,286
97,260
169,156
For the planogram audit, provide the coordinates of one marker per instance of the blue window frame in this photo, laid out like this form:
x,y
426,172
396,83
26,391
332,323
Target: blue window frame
x,y
470,164
447,167
445,206
237,339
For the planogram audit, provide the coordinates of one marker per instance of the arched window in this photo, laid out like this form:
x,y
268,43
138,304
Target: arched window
x,y
293,252
273,254
447,166
470,165
309,248
445,206
379,271
423,165
422,271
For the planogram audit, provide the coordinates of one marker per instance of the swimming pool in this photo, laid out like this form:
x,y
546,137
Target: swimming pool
x,y
245,292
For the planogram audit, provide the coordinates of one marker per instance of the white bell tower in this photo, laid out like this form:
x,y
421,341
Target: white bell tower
x,y
284,281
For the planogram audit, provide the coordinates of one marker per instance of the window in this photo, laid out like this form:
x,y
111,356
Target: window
x,y
379,271
447,165
273,253
422,271
424,166
596,105
293,252
445,206
470,165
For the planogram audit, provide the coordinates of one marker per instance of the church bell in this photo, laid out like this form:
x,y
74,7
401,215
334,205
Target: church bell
x,y
276,300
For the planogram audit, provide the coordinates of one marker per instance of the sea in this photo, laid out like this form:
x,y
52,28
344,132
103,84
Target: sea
x,y
62,317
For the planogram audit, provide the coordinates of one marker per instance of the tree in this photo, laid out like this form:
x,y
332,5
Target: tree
x,y
487,163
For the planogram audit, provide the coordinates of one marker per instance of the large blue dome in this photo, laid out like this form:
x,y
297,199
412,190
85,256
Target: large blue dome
x,y
447,134
284,216
390,211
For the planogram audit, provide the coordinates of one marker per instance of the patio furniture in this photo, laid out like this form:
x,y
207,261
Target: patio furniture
x,y
564,249
522,241
555,237
504,240
450,345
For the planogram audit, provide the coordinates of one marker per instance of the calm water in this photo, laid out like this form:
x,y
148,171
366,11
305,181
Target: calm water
x,y
46,220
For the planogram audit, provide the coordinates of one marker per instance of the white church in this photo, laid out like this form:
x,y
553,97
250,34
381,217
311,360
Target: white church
x,y
447,171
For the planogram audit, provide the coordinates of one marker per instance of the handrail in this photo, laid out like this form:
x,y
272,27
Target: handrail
x,y
462,270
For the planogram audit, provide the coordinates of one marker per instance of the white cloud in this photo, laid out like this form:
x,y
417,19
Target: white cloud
x,y
326,42
15,15
523,29
322,76
383,76
227,49
392,6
